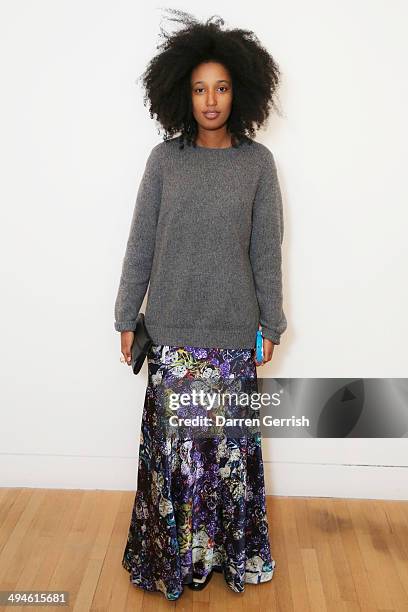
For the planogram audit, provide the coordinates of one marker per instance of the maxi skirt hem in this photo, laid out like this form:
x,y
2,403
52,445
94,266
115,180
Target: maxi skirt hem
x,y
160,587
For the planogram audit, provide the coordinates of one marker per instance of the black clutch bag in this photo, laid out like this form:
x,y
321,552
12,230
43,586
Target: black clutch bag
x,y
141,343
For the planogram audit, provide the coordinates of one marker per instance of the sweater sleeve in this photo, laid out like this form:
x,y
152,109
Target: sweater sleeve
x,y
265,251
138,258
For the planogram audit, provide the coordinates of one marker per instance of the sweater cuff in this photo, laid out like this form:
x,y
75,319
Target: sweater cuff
x,y
271,334
125,326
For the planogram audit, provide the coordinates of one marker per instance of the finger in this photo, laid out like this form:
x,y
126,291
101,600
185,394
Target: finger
x,y
267,355
127,355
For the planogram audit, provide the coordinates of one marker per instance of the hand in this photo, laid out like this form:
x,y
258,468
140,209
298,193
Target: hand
x,y
126,341
268,347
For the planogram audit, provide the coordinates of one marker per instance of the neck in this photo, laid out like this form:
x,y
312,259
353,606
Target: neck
x,y
213,139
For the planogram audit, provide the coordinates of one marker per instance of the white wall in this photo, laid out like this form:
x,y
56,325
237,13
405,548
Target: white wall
x,y
74,139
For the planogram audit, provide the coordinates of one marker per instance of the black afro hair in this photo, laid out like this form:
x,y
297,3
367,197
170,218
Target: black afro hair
x,y
166,80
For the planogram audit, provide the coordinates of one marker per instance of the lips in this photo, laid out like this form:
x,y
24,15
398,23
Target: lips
x,y
211,114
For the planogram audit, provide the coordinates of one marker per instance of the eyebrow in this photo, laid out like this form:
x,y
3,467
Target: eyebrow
x,y
218,81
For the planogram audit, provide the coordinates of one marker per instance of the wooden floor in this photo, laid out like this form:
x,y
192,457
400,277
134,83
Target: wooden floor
x,y
331,554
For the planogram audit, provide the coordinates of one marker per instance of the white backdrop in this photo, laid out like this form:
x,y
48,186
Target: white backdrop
x,y
74,140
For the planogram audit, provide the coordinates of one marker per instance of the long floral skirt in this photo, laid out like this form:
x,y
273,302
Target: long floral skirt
x,y
200,499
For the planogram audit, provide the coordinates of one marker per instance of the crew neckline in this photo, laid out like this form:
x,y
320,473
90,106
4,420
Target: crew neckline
x,y
214,148
231,148
224,149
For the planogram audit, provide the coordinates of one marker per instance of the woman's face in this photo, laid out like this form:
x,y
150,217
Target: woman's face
x,y
211,90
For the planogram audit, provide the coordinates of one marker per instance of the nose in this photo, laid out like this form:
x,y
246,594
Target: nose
x,y
210,98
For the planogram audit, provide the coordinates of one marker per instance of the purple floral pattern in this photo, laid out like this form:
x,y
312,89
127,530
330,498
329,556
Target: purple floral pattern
x,y
200,501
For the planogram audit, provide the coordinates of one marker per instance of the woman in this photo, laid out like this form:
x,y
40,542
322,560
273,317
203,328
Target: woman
x,y
206,232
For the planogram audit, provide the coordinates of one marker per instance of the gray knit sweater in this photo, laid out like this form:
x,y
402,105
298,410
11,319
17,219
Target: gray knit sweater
x,y
206,231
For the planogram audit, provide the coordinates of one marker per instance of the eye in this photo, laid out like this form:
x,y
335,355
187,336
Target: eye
x,y
199,89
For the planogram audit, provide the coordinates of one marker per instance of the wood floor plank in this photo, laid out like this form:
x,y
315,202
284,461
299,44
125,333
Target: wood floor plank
x,y
8,512
118,594
398,540
372,559
43,536
20,540
348,523
315,591
95,590
294,528
76,548
335,526
320,534
381,542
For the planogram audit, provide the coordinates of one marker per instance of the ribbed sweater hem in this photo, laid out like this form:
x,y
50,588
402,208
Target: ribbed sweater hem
x,y
201,337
